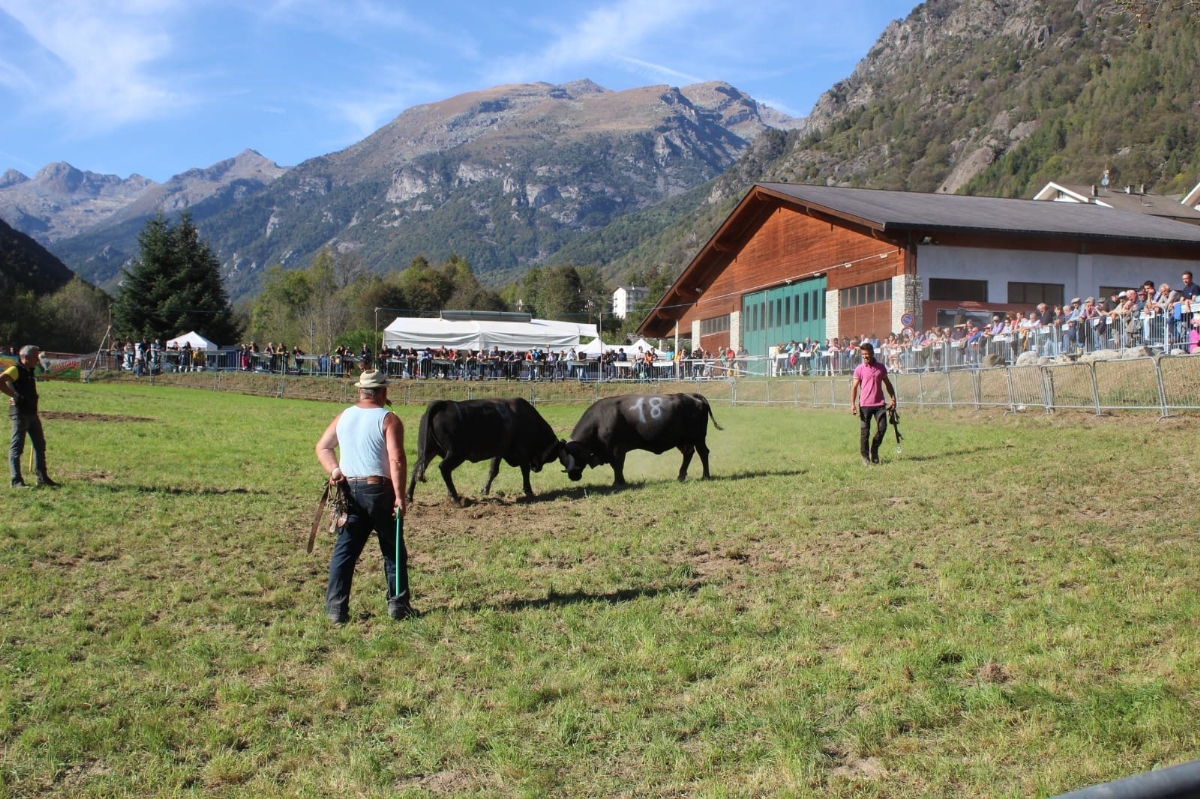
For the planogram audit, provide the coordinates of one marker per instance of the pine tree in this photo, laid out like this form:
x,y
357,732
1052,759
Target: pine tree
x,y
174,286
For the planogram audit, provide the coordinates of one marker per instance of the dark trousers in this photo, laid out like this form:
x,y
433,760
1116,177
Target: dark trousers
x,y
369,507
22,424
869,447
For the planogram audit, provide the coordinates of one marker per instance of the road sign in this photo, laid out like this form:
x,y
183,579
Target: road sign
x,y
907,320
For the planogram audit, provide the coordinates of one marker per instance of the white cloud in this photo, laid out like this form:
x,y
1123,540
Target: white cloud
x,y
656,71
603,35
368,110
97,60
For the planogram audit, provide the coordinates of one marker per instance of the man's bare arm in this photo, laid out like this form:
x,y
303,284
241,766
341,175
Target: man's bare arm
x,y
326,445
393,434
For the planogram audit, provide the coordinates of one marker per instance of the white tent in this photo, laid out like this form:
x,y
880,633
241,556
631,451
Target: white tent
x,y
595,347
197,341
641,342
483,335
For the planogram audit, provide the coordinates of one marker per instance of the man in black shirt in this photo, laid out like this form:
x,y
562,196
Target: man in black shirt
x,y
20,385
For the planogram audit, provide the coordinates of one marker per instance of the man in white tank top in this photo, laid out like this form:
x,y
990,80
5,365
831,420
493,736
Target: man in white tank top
x,y
371,474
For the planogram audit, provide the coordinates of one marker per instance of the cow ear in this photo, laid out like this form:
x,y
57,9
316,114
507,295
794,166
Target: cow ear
x,y
594,459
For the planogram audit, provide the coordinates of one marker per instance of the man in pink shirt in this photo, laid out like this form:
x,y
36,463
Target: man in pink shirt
x,y
866,401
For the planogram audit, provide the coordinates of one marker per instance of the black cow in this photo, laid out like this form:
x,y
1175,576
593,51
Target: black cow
x,y
657,423
476,430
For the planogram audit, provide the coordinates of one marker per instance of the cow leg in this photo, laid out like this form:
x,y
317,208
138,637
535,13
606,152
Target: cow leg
x,y
687,451
525,480
449,464
493,470
618,464
702,451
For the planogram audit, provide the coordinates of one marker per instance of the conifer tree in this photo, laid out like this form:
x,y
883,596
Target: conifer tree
x,y
174,286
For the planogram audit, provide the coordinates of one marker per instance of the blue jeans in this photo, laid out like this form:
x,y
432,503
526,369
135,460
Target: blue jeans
x,y
23,423
369,507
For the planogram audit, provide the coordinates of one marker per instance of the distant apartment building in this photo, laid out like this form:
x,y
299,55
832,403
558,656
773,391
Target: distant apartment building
x,y
1134,199
625,297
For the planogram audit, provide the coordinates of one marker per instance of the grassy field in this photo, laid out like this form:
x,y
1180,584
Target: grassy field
x,y
1007,608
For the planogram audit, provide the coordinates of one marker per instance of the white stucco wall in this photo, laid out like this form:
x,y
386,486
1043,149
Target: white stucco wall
x,y
832,299
1080,275
735,329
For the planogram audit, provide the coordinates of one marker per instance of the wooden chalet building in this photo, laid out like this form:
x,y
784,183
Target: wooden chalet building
x,y
794,261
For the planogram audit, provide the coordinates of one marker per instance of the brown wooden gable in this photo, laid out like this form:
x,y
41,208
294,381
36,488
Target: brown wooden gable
x,y
766,241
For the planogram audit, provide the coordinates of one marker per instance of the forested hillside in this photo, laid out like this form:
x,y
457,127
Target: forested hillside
x,y
986,98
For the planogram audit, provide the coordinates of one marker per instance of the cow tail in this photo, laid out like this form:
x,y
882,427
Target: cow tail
x,y
704,399
423,434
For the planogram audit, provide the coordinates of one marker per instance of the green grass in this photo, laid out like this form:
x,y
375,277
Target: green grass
x,y
1007,608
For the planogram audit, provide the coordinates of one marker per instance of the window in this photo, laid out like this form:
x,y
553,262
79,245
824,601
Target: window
x,y
1107,291
716,324
1033,293
862,295
941,288
806,306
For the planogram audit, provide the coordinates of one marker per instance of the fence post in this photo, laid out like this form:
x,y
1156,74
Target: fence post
x,y
920,390
470,393
977,388
282,387
769,393
1051,398
949,389
1162,390
733,393
1012,397
1096,385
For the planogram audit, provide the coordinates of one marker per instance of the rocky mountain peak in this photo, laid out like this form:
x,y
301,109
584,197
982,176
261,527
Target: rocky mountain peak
x,y
11,177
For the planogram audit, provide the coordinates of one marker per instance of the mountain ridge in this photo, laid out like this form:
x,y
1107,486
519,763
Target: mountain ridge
x,y
503,176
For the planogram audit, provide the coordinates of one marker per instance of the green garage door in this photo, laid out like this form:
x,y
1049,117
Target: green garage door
x,y
779,315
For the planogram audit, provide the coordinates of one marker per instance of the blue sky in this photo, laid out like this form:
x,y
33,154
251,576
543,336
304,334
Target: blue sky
x,y
159,86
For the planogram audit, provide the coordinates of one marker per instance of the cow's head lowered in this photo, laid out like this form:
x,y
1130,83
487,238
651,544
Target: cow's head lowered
x,y
551,452
575,457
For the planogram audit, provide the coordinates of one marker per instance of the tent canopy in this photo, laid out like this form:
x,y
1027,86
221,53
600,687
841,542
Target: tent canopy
x,y
197,341
483,335
595,347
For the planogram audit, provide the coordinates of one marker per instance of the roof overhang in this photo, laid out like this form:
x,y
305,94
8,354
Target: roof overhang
x,y
759,203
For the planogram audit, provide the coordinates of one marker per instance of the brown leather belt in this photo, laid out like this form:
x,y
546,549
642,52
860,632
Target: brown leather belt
x,y
372,480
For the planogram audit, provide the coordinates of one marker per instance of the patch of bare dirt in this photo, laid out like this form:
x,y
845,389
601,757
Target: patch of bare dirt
x,y
443,783
91,417
869,768
993,672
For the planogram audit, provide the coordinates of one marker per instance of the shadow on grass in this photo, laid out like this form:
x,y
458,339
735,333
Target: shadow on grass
x,y
946,453
176,491
583,490
719,478
554,599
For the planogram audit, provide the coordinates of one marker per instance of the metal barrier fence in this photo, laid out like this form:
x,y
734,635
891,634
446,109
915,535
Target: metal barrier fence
x,y
1160,384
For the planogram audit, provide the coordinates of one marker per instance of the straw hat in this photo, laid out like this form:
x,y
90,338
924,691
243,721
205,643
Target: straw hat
x,y
371,378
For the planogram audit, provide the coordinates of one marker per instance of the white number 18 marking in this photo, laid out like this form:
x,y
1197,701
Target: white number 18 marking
x,y
655,408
